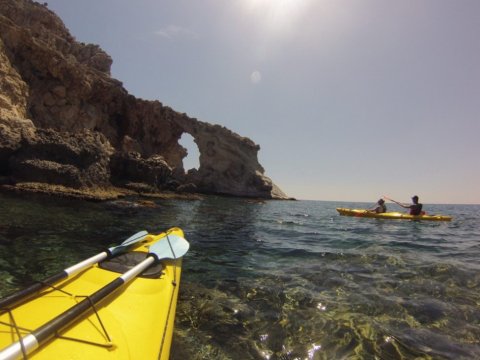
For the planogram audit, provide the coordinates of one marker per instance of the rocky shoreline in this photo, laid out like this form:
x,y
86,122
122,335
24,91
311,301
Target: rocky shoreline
x,y
67,128
94,194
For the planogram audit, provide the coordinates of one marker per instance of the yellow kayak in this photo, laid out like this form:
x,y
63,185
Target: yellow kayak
x,y
391,215
122,307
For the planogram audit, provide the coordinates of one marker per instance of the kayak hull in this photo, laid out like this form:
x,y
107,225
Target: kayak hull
x,y
138,319
391,215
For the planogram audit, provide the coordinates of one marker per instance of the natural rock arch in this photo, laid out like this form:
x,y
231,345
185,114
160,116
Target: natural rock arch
x,y
228,162
55,83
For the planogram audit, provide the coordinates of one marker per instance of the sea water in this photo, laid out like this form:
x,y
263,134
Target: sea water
x,y
278,279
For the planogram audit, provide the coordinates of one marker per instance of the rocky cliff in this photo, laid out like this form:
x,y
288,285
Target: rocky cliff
x,y
64,120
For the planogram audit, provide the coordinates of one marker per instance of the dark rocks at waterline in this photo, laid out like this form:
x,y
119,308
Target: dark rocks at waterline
x,y
73,160
131,167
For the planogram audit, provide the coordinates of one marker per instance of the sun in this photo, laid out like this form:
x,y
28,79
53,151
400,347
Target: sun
x,y
277,14
279,4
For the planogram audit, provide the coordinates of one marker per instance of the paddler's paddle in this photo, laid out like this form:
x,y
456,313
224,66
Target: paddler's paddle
x,y
170,247
15,298
396,202
403,205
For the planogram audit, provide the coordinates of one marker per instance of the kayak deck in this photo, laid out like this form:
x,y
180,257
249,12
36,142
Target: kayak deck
x,y
391,215
135,322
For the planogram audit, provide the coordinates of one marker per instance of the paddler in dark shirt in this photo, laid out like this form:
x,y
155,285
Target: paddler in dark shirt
x,y
415,208
379,208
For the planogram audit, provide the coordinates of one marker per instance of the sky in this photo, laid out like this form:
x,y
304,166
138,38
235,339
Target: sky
x,y
349,100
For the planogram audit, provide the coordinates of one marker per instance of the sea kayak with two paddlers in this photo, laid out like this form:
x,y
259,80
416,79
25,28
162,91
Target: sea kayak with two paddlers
x,y
391,215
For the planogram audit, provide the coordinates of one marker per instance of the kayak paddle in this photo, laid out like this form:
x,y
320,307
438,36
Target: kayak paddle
x,y
396,202
170,247
23,294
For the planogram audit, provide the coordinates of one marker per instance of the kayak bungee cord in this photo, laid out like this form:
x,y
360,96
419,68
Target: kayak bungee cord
x,y
17,330
172,249
168,317
22,295
92,305
174,284
175,263
14,325
10,302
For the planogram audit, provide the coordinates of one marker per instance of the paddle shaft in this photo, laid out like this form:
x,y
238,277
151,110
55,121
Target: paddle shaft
x,y
16,298
39,336
23,295
396,202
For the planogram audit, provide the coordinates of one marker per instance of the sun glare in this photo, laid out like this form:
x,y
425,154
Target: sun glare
x,y
277,14
279,4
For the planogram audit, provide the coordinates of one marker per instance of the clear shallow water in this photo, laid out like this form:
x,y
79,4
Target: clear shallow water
x,y
279,280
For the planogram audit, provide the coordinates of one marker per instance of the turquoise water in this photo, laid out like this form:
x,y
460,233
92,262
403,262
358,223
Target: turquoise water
x,y
279,280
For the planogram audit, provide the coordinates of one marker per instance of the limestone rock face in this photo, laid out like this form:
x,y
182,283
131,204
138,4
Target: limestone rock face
x,y
64,120
132,167
12,131
13,90
228,162
74,160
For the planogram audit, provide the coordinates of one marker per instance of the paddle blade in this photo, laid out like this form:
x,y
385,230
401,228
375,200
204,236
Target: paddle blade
x,y
127,243
135,238
170,247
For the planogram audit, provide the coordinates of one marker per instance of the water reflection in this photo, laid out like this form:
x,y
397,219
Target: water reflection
x,y
278,280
